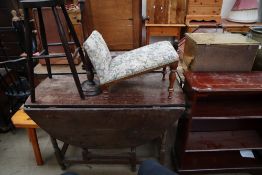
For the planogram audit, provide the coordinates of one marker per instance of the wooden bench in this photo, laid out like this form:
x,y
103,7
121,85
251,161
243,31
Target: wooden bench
x,y
22,120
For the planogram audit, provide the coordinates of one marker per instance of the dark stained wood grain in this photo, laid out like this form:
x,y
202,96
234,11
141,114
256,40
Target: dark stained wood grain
x,y
219,162
134,112
143,91
224,117
225,123
228,107
107,127
223,141
224,94
224,82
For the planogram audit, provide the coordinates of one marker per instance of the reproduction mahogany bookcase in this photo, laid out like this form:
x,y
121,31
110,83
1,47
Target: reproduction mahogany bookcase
x,y
224,117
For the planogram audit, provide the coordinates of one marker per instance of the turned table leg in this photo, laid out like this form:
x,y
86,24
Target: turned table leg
x,y
172,79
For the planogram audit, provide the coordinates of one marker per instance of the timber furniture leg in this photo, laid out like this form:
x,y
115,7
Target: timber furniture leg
x,y
162,151
74,35
58,153
29,135
164,72
133,159
29,52
66,47
44,41
172,79
34,141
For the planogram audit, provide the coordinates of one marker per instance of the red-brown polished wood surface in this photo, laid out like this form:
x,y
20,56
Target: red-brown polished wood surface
x,y
224,94
224,117
224,82
134,112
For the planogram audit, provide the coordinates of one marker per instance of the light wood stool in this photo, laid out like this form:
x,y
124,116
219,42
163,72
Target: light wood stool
x,y
21,120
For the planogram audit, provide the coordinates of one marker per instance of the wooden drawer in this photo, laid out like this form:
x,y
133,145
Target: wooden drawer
x,y
205,2
204,10
237,29
164,31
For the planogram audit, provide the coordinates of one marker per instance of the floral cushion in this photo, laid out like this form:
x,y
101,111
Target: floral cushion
x,y
140,60
130,63
99,54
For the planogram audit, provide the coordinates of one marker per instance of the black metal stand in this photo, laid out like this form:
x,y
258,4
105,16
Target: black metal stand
x,y
90,86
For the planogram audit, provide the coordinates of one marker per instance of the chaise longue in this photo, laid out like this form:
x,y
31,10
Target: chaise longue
x,y
132,63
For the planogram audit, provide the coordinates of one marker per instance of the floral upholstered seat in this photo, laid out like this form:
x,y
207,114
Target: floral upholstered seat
x,y
129,64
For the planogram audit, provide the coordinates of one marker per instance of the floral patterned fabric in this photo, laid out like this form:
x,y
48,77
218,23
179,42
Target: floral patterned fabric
x,y
99,54
141,59
130,63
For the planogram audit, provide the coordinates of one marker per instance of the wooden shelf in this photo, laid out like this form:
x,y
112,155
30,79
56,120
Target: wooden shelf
x,y
224,118
223,141
228,107
225,123
223,161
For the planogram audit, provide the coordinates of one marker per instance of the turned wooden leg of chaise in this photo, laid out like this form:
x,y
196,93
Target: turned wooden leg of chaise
x,y
172,79
164,73
105,91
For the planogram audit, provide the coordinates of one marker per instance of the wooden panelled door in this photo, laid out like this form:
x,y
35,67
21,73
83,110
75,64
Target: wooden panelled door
x,y
119,21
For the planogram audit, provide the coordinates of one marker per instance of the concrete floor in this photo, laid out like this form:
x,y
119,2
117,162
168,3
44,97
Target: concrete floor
x,y
16,158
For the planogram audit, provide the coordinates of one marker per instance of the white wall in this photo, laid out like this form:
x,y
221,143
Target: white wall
x,y
226,7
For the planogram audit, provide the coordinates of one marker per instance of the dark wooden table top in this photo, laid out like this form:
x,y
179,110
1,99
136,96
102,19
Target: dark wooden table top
x,y
224,82
144,91
136,111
